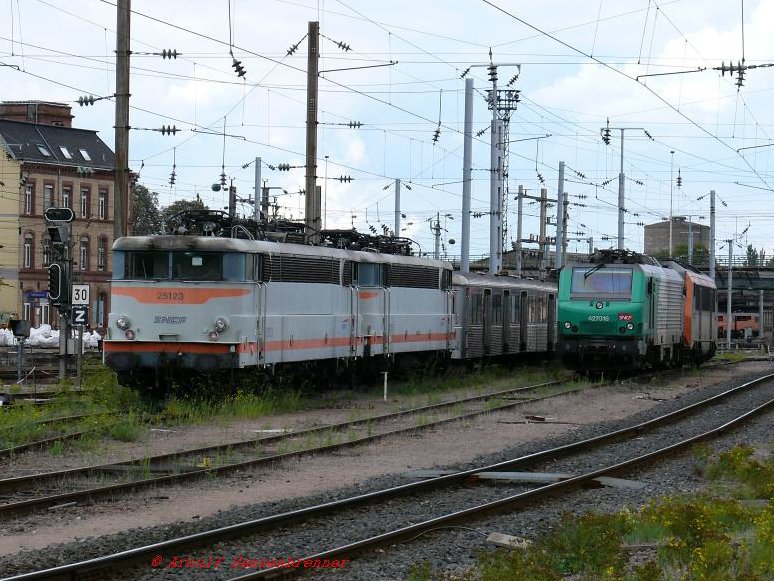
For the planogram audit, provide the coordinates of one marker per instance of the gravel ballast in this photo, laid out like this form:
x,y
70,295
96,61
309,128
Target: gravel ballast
x,y
447,549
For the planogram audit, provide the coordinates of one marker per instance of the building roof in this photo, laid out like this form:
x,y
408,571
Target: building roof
x,y
51,144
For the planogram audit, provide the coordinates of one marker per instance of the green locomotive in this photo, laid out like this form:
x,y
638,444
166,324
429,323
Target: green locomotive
x,y
623,310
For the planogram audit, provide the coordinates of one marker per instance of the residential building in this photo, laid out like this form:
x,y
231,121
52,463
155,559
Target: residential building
x,y
46,162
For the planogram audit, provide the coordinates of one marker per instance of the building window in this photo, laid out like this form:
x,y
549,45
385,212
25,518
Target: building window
x,y
27,312
102,205
28,251
29,198
46,252
84,255
85,154
101,253
65,152
46,315
43,151
85,194
48,196
67,196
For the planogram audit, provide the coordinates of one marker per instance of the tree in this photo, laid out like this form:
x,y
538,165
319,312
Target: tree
x,y
146,217
752,256
181,206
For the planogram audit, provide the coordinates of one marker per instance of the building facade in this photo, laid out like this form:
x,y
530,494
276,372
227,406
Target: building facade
x,y
48,163
657,235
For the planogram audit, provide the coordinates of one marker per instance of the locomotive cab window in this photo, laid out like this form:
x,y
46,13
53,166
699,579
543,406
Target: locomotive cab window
x,y
143,265
197,266
607,280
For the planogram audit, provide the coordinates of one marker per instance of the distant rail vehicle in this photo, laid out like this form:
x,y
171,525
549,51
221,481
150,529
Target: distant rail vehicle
x,y
626,309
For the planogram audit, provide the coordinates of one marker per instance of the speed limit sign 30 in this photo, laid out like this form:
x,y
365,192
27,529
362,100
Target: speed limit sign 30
x,y
80,294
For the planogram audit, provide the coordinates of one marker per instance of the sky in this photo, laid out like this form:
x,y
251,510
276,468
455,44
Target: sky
x,y
396,69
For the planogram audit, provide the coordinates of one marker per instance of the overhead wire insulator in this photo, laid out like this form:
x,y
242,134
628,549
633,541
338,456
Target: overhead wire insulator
x,y
492,73
344,46
465,73
283,167
345,179
223,180
514,78
647,133
354,124
679,179
436,134
238,68
169,130
540,178
170,54
293,49
86,100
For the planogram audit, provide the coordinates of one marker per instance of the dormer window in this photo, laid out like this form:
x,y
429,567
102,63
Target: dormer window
x,y
65,152
85,154
43,151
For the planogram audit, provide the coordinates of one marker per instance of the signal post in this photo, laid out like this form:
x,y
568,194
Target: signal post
x,y
59,275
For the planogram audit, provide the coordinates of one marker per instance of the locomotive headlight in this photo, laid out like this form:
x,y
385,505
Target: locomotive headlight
x,y
123,322
213,335
129,334
221,324
567,325
630,326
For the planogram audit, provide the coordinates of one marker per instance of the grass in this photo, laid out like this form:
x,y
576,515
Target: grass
x,y
698,537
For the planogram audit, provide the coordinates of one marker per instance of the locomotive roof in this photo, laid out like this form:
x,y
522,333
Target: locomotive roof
x,y
217,244
491,281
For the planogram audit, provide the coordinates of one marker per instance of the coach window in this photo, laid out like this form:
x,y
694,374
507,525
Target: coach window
x,y
476,309
497,309
197,265
368,274
142,265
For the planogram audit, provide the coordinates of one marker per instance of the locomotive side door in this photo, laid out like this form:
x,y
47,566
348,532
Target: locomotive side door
x,y
487,330
506,307
551,329
523,321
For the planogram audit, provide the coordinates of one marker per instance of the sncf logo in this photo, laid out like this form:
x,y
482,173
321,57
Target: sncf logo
x,y
159,320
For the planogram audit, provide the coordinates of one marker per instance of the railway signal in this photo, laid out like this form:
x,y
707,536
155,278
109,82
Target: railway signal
x,y
57,285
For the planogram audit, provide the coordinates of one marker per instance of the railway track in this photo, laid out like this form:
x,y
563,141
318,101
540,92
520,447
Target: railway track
x,y
27,493
74,486
387,516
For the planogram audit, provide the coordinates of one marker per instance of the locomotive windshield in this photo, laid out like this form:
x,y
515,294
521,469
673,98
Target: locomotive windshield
x,y
608,280
190,266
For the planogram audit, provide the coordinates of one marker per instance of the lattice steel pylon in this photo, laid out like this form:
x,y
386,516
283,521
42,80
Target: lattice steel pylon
x,y
507,101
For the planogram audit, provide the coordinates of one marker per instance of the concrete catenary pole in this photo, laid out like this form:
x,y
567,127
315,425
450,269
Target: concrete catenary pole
x,y
467,155
437,233
565,214
621,206
690,239
121,201
520,196
397,207
560,217
312,208
495,216
730,292
257,195
543,243
712,236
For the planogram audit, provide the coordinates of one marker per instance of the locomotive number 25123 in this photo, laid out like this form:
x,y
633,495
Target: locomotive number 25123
x,y
169,296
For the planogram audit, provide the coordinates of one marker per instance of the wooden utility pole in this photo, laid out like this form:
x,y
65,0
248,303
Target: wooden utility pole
x,y
312,210
121,202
